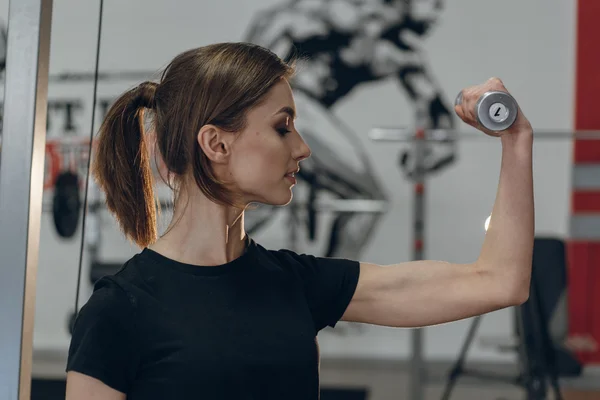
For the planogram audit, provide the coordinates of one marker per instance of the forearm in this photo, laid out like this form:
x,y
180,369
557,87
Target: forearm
x,y
506,254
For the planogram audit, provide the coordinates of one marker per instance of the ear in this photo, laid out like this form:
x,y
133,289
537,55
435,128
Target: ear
x,y
215,143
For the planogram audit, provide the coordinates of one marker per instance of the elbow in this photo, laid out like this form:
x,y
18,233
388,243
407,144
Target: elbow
x,y
516,292
512,286
518,297
510,298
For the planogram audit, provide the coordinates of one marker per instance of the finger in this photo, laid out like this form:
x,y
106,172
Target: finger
x,y
461,108
495,83
458,109
471,96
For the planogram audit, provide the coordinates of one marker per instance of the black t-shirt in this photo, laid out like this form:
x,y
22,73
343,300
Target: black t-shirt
x,y
161,329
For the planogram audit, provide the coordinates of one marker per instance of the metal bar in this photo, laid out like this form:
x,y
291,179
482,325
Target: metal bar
x,y
417,381
351,205
21,185
337,205
341,205
441,135
102,76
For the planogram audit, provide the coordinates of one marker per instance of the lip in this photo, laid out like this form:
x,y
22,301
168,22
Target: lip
x,y
290,177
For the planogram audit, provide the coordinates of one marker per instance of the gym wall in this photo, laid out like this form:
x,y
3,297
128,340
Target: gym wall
x,y
529,45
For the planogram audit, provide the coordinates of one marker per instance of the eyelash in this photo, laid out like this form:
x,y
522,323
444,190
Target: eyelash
x,y
283,131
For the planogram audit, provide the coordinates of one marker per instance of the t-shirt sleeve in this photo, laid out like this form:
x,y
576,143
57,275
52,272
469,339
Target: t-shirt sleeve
x,y
329,285
103,343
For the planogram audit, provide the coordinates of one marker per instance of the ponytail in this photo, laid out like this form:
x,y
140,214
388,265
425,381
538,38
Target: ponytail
x,y
121,165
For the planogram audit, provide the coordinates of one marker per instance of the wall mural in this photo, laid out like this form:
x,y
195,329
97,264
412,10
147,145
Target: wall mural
x,y
339,45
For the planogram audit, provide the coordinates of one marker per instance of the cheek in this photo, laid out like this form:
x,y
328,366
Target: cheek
x,y
260,162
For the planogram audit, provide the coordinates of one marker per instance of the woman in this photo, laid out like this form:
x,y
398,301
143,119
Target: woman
x,y
205,312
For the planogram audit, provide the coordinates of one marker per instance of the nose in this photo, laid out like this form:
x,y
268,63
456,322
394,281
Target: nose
x,y
301,150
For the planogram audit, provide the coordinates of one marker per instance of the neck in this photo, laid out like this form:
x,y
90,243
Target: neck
x,y
203,232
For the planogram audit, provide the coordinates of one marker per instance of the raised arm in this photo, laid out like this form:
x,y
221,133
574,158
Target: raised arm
x,y
422,293
268,27
276,28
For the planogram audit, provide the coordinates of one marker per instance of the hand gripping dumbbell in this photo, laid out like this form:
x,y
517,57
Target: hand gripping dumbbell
x,y
496,111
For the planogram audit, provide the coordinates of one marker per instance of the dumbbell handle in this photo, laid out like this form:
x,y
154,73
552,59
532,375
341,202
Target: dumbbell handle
x,y
495,110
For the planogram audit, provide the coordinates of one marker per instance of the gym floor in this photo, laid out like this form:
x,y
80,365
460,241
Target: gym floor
x,y
375,380
391,381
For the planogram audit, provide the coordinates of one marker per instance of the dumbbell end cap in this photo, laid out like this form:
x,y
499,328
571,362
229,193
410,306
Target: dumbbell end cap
x,y
484,105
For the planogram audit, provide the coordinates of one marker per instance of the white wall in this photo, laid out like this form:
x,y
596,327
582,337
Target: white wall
x,y
530,45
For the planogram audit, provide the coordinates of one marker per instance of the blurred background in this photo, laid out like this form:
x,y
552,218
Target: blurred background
x,y
369,64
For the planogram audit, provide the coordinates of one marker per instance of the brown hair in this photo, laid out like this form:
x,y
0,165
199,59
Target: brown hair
x,y
216,84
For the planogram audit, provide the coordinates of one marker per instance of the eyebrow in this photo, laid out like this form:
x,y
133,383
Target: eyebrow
x,y
287,110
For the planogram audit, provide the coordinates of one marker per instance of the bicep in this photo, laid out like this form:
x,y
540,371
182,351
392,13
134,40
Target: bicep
x,y
84,387
422,293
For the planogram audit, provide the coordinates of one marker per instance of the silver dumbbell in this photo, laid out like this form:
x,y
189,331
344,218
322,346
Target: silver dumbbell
x,y
495,111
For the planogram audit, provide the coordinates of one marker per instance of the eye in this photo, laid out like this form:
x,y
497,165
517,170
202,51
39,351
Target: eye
x,y
284,128
283,131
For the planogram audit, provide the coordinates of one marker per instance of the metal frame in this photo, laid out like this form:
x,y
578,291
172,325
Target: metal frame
x,y
418,371
21,184
332,205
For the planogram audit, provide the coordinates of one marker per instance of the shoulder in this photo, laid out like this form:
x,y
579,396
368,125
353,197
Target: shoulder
x,y
282,258
329,283
105,341
109,301
106,321
123,285
305,265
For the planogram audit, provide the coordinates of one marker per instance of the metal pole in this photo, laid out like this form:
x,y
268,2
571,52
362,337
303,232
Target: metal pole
x,y
21,184
402,134
417,362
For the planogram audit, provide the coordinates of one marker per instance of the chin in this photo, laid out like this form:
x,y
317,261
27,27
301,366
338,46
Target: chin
x,y
284,201
273,195
281,200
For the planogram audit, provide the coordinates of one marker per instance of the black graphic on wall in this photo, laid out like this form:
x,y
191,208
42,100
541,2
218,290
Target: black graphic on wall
x,y
340,45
